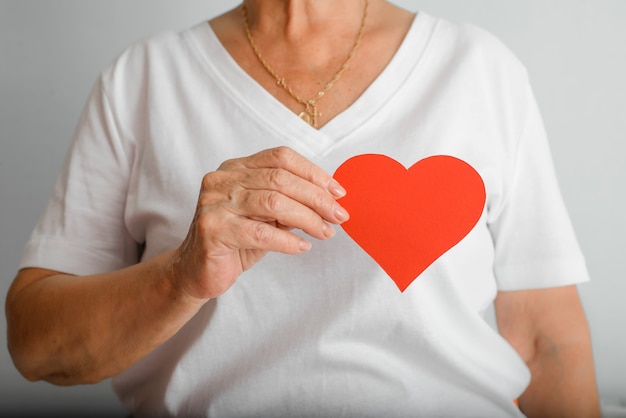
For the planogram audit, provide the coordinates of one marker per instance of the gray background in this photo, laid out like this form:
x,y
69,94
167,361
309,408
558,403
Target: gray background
x,y
52,50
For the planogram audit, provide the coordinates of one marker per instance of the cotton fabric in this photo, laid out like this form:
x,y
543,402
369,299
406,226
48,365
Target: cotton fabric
x,y
326,333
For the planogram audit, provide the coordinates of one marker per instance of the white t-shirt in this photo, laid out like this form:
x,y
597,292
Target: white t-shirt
x,y
326,333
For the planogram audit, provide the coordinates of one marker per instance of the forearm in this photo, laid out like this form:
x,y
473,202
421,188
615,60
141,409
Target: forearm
x,y
549,330
69,330
563,381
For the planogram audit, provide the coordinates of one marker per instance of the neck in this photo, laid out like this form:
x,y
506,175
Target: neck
x,y
296,20
309,43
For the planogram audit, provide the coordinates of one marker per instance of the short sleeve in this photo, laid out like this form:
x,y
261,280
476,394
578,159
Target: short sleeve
x,y
82,230
535,243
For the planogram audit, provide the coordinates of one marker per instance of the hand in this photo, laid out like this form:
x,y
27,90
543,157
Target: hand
x,y
247,208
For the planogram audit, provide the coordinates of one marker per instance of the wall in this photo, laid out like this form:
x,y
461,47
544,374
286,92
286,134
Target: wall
x,y
51,52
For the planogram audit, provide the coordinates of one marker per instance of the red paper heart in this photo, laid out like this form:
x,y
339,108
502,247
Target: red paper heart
x,y
406,219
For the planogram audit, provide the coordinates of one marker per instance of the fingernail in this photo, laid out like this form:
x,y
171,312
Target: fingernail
x,y
328,231
341,214
305,245
335,189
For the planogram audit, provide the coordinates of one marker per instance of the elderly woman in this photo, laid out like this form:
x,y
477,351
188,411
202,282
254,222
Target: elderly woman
x,y
251,300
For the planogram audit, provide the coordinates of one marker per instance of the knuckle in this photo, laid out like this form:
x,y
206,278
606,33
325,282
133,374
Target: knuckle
x,y
281,153
221,185
212,189
209,180
320,200
213,180
272,201
260,232
229,164
315,175
277,178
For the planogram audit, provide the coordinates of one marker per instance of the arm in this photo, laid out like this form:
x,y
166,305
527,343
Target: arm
x,y
68,329
549,330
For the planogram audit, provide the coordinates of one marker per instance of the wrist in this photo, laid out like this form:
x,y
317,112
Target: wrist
x,y
179,280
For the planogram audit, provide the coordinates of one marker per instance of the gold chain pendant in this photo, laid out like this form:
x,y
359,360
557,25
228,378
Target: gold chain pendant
x,y
305,117
310,114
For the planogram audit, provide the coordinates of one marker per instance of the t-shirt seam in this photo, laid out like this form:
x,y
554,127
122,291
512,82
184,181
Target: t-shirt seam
x,y
41,239
544,261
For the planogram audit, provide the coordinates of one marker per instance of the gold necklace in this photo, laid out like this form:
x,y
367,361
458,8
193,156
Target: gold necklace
x,y
310,113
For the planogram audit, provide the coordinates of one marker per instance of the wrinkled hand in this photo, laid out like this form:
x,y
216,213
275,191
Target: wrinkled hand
x,y
247,208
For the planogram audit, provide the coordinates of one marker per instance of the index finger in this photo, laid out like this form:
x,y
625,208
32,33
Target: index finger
x,y
287,159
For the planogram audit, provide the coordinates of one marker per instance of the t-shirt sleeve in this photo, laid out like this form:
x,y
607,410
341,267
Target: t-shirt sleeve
x,y
82,230
535,243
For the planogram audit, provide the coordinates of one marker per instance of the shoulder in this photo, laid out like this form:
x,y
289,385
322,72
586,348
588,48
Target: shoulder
x,y
151,67
157,55
472,45
147,74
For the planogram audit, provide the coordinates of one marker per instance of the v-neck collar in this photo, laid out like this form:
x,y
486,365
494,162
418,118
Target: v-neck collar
x,y
269,111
